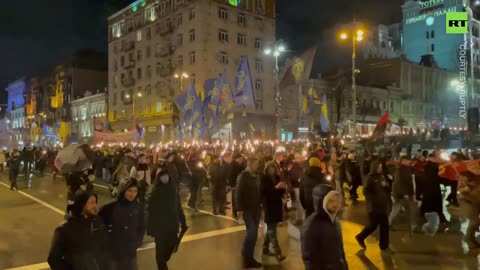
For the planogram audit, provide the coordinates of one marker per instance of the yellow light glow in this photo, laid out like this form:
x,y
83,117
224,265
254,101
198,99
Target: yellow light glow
x,y
343,36
360,32
359,38
139,94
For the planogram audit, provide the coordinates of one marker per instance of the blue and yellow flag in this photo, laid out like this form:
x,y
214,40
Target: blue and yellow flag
x,y
226,99
198,128
243,84
309,99
189,104
324,123
212,95
182,131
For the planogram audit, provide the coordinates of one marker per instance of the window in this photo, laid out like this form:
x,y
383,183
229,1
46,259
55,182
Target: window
x,y
222,35
115,49
179,19
192,57
139,35
139,73
241,40
391,106
428,34
149,72
148,90
192,35
139,55
180,40
258,43
122,60
259,5
259,23
222,13
259,105
258,85
242,20
432,47
122,77
259,65
383,45
223,58
180,61
432,34
191,16
148,52
114,99
115,65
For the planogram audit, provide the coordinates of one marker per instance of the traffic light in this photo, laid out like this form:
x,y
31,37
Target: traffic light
x,y
473,120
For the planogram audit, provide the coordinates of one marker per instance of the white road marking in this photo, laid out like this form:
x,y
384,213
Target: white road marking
x,y
41,202
148,246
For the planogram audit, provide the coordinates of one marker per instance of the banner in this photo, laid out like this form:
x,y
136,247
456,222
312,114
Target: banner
x,y
109,137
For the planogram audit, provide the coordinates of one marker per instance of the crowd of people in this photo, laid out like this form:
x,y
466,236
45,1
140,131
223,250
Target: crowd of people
x,y
265,181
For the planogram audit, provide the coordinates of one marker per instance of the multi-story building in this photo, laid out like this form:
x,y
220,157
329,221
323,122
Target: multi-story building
x,y
88,114
152,40
17,122
382,42
424,32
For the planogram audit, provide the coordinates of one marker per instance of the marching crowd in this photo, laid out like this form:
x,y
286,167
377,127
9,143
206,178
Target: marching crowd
x,y
264,184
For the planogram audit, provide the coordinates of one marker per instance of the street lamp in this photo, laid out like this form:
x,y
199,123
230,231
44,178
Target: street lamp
x,y
276,51
356,35
181,76
134,98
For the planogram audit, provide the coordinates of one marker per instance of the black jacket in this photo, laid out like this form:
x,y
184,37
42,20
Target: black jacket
x,y
321,236
79,243
125,224
234,171
248,192
432,193
271,199
312,178
403,184
377,192
218,174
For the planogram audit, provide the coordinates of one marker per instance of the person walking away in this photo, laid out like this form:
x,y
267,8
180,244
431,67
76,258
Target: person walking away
x,y
14,169
377,194
404,194
294,176
163,217
218,184
354,174
321,235
249,208
198,174
41,161
3,159
124,220
80,241
236,167
432,201
272,191
108,166
312,178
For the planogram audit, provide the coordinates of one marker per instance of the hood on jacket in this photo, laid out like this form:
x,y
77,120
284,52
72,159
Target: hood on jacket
x,y
79,201
124,186
321,195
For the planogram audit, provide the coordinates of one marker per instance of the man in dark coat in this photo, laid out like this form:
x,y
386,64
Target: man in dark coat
x,y
236,167
272,190
377,193
432,194
124,220
80,241
164,222
218,173
312,178
321,237
14,169
249,207
354,174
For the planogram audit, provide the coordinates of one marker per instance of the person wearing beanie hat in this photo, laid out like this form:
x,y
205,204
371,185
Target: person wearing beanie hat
x,y
124,220
315,162
80,242
313,177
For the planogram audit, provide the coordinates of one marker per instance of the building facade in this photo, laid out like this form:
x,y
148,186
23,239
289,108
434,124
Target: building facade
x,y
16,119
151,41
88,114
424,32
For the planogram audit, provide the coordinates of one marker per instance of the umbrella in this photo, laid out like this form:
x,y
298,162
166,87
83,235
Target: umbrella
x,y
74,158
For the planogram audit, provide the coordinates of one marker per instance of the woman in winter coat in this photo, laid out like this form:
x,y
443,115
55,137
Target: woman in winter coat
x,y
124,220
378,195
272,190
321,237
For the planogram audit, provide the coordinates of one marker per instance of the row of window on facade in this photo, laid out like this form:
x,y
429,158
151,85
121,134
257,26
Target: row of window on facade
x,y
81,112
149,108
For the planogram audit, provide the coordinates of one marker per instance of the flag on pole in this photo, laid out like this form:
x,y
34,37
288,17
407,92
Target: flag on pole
x,y
324,123
243,84
212,95
182,131
189,104
298,69
381,126
226,99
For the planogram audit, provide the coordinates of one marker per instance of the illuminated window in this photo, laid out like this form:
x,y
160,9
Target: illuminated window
x,y
139,35
192,14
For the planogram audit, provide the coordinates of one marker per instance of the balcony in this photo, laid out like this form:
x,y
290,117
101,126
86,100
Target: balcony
x,y
128,46
165,51
127,82
165,29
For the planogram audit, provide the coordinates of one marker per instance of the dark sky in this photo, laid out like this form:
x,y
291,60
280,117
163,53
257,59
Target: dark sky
x,y
34,34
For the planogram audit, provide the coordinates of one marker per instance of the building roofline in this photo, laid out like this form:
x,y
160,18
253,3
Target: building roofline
x,y
88,97
124,9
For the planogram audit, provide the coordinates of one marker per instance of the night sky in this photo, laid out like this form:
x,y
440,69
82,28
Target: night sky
x,y
34,35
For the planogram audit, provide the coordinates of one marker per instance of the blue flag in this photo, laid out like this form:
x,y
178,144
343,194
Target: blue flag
x,y
212,126
243,84
182,131
212,95
324,115
198,128
226,99
189,104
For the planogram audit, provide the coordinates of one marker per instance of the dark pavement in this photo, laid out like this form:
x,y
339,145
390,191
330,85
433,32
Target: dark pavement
x,y
28,218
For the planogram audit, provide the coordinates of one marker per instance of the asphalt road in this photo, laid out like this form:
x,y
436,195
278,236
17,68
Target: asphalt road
x,y
29,216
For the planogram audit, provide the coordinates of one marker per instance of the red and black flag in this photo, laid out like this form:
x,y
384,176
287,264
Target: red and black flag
x,y
381,126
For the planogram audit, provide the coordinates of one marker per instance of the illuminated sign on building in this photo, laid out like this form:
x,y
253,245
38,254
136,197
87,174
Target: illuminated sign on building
x,y
431,3
234,2
436,13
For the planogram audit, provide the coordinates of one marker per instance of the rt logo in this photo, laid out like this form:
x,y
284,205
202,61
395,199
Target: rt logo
x,y
457,22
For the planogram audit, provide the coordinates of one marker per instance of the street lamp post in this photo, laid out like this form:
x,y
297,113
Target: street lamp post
x,y
134,98
276,51
356,35
181,76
